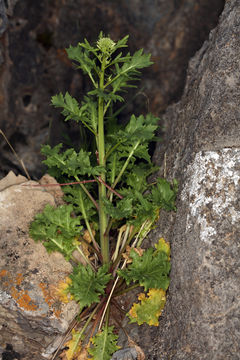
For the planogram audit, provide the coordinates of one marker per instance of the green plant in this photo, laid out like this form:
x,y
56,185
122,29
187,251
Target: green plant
x,y
110,206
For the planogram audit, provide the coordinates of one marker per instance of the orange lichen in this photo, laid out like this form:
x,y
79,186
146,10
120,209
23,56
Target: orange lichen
x,y
14,286
23,299
21,296
49,299
3,272
19,279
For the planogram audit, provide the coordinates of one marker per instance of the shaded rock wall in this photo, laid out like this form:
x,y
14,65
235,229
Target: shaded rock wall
x,y
34,65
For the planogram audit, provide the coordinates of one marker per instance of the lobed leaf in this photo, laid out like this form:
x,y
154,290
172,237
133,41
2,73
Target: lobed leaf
x,y
70,162
163,246
57,229
75,196
73,345
87,285
149,270
105,344
164,194
149,309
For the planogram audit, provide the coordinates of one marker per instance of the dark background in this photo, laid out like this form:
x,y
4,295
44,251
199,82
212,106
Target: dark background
x,y
34,65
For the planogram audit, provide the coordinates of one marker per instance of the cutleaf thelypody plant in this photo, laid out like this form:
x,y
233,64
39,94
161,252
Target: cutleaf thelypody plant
x,y
110,206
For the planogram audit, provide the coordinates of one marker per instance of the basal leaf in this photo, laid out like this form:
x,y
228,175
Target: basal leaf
x,y
57,229
149,270
163,246
123,209
105,344
73,345
149,309
87,285
75,196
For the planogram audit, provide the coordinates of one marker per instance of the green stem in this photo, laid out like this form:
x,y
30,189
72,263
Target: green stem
x,y
87,222
125,164
86,192
79,336
102,162
89,195
126,290
56,243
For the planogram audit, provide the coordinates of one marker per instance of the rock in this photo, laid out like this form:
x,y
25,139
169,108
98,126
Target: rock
x,y
11,179
125,354
201,319
32,319
3,17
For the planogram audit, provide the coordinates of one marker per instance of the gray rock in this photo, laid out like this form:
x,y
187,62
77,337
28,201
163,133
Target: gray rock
x,y
129,353
32,319
3,17
201,319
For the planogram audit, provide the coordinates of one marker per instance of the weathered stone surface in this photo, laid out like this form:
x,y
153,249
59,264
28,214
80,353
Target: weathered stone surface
x,y
35,66
32,320
201,319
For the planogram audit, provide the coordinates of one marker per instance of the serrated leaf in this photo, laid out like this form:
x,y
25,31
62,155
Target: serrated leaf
x,y
76,196
105,344
138,128
106,96
71,110
149,270
87,285
164,194
57,229
123,209
129,71
149,309
163,246
137,177
73,345
70,162
81,54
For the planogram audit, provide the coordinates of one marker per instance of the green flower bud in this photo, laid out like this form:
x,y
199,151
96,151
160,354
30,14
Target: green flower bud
x,y
106,45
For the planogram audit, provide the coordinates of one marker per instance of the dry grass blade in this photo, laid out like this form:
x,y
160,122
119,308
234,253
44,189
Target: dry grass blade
x,y
16,155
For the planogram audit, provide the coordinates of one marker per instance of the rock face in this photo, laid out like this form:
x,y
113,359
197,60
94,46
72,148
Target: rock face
x,y
201,320
33,320
34,65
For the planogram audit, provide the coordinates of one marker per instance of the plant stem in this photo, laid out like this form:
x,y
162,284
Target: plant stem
x,y
125,164
126,290
87,222
102,162
79,336
89,195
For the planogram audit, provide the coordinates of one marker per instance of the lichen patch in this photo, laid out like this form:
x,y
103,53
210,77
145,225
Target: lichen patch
x,y
212,186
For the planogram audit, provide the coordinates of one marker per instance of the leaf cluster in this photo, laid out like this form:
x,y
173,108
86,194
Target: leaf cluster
x,y
57,229
69,162
139,205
